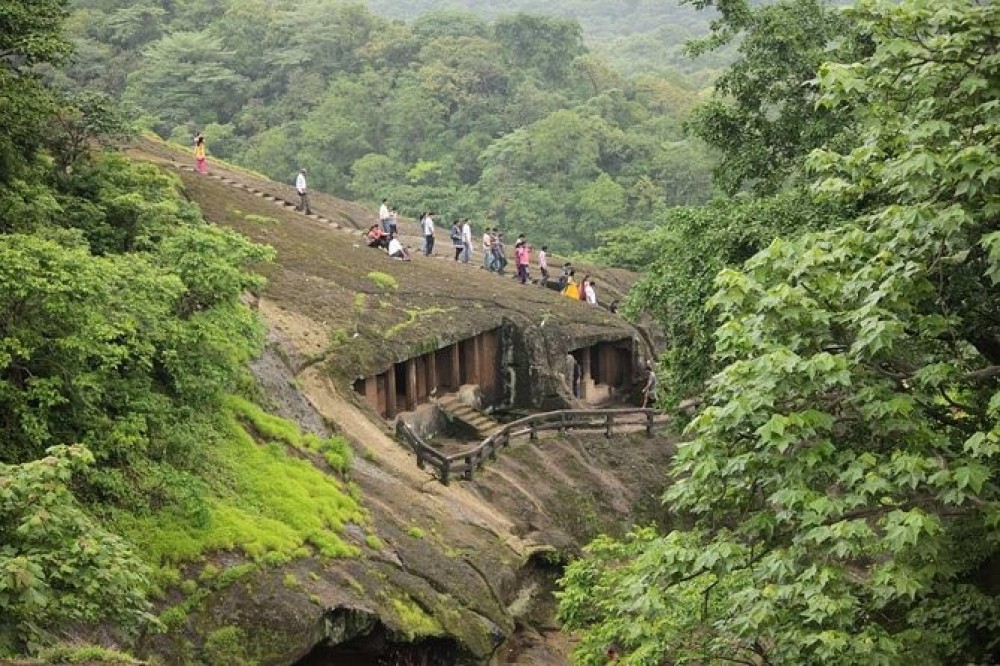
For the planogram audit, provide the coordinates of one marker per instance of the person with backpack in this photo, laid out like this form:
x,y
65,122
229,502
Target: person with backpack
x,y
456,238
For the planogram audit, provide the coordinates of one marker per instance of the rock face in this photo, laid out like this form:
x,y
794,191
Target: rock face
x,y
457,574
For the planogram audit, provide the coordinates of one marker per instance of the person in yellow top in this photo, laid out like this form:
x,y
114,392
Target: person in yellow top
x,y
571,289
199,153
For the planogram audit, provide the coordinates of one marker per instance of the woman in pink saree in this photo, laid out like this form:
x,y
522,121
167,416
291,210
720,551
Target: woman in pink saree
x,y
199,153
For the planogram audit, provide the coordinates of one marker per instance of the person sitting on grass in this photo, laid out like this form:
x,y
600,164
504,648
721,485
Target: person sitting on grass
x,y
377,238
396,249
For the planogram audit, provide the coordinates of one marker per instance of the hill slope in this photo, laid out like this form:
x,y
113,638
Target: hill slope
x,y
440,567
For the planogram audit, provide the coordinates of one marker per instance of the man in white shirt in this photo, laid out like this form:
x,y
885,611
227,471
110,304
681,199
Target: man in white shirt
x,y
428,229
466,241
383,215
543,265
590,293
396,250
300,187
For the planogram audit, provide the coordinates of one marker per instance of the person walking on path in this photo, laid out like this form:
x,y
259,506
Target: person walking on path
x,y
394,221
456,237
571,290
200,157
427,226
300,187
383,215
499,255
466,241
543,266
649,390
589,294
488,249
522,255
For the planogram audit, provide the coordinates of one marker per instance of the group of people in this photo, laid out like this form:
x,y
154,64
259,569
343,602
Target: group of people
x,y
385,236
585,291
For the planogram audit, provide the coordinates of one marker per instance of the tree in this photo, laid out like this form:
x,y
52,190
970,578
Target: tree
x,y
57,565
31,33
546,44
840,487
764,116
188,76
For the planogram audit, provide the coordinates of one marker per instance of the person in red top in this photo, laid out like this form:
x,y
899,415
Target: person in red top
x,y
522,255
377,238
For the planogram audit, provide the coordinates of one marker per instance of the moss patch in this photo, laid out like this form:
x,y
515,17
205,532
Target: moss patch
x,y
414,621
263,499
84,654
383,280
412,317
335,450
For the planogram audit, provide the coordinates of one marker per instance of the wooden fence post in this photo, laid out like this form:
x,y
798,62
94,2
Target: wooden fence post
x,y
445,472
469,466
534,431
649,423
609,421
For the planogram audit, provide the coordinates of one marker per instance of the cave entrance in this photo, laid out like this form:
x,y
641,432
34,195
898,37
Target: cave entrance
x,y
413,382
378,648
604,371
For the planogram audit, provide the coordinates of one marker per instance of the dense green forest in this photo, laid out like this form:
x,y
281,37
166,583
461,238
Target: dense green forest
x,y
123,342
838,498
631,35
511,122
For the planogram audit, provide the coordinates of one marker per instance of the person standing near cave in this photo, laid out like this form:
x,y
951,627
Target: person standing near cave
x,y
649,390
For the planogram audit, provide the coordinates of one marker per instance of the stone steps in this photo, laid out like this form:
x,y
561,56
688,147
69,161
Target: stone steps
x,y
484,425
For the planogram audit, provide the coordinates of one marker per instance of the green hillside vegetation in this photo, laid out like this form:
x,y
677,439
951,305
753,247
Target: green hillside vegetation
x,y
511,121
122,342
837,318
633,36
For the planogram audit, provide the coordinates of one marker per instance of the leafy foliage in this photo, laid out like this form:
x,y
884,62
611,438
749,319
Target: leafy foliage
x,y
56,564
763,116
840,482
679,259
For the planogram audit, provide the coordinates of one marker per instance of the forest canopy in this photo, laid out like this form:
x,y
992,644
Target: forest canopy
x,y
511,122
837,500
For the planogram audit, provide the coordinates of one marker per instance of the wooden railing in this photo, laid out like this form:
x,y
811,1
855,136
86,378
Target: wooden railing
x,y
468,462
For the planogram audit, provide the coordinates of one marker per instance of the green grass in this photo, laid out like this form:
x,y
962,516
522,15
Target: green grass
x,y
335,450
374,542
415,532
415,622
261,219
383,280
263,499
79,654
